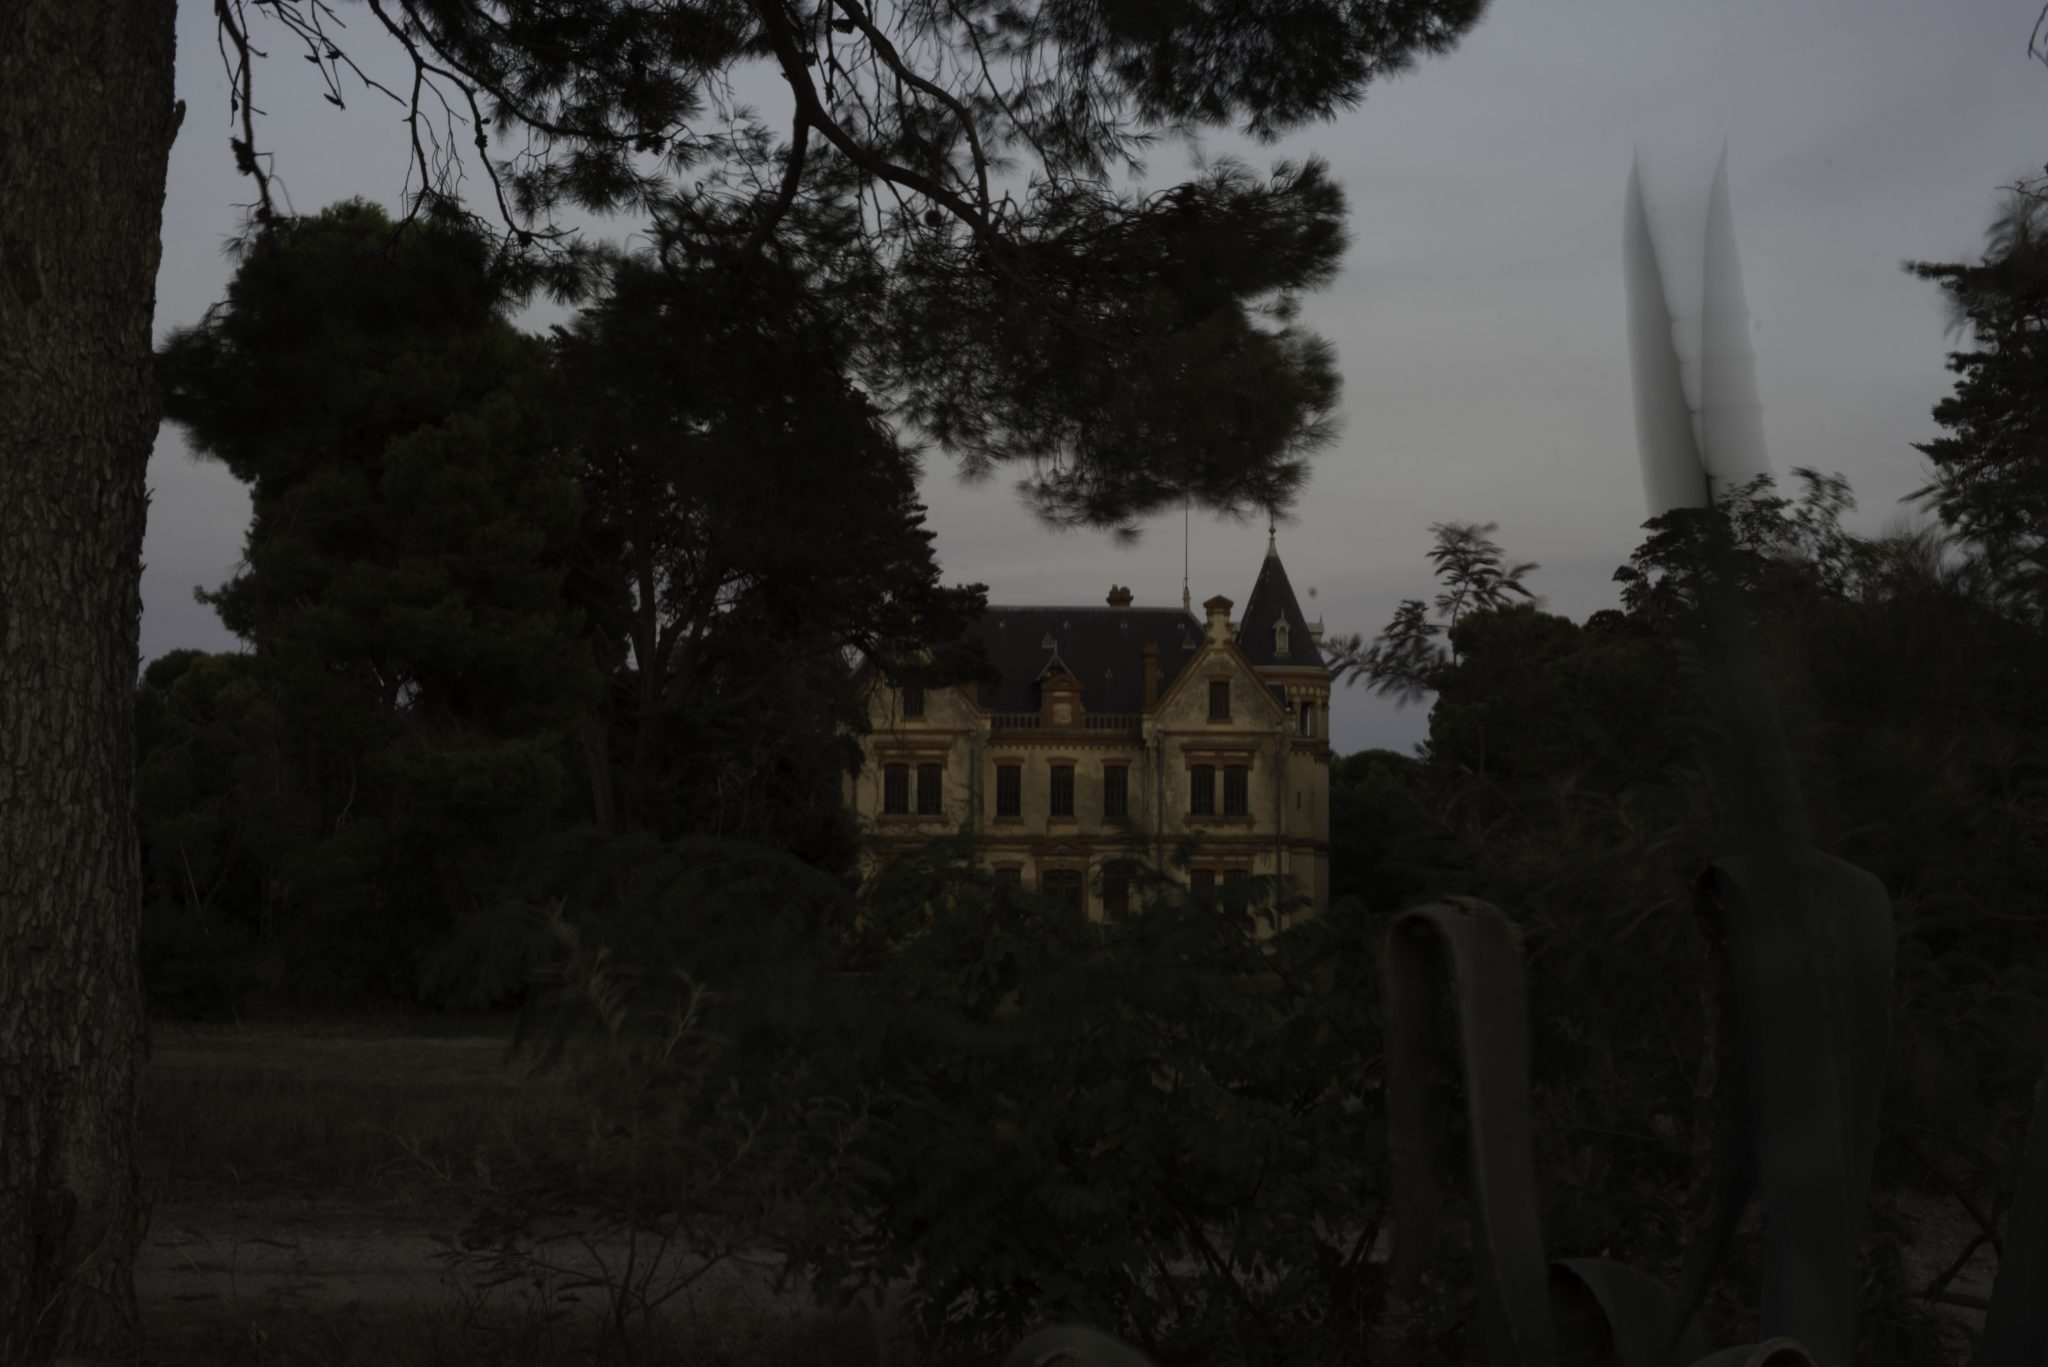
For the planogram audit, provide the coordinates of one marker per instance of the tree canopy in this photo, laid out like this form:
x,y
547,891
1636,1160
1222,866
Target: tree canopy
x,y
751,528
518,606
403,582
1127,350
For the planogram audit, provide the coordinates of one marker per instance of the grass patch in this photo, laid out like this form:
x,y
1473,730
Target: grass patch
x,y
339,1116
326,1108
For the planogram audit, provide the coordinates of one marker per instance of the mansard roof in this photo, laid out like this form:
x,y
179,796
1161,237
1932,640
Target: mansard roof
x,y
1273,601
1102,647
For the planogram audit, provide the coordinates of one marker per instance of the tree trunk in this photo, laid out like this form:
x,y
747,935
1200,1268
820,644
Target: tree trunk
x,y
86,122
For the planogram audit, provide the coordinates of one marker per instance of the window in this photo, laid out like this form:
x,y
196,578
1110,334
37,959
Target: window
x,y
1234,888
1236,787
1062,790
1305,713
1009,876
1280,637
1009,790
1116,891
1063,886
895,789
913,700
1219,700
1202,790
1116,792
1201,880
931,780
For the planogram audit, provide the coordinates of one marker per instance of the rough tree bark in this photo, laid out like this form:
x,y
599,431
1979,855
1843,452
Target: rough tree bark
x,y
86,122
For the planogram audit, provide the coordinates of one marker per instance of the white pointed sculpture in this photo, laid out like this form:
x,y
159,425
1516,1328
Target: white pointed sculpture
x,y
1690,454
1731,415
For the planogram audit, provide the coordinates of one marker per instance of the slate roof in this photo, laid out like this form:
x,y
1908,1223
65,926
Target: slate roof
x,y
1103,647
1272,601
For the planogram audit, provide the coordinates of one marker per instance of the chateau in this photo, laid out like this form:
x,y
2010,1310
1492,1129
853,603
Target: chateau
x,y
1112,733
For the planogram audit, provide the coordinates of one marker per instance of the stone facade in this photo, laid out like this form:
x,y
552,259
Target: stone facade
x,y
1219,729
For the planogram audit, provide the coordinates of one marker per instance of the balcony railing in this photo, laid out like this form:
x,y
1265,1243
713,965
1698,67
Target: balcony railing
x,y
1124,723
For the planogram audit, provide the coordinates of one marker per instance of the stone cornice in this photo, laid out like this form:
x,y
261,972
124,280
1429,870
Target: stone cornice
x,y
1221,754
893,750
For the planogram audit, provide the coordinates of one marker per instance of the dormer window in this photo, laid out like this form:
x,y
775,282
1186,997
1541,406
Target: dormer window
x,y
1280,637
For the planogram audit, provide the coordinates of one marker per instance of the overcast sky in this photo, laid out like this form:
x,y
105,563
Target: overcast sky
x,y
1479,321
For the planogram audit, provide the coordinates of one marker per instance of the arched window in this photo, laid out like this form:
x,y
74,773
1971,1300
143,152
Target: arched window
x,y
1280,637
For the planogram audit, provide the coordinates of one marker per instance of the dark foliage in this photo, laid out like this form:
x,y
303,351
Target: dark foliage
x,y
1990,472
1405,661
1383,851
1118,327
1565,779
751,528
416,674
1106,343
497,592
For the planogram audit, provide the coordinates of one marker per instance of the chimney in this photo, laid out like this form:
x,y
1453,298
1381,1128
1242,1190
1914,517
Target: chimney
x,y
1218,609
1151,675
1119,596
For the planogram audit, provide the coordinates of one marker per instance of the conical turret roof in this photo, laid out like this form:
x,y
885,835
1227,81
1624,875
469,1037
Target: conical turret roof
x,y
1273,602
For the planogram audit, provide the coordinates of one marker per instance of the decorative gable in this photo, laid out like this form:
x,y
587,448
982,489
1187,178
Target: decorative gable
x,y
1059,695
1253,704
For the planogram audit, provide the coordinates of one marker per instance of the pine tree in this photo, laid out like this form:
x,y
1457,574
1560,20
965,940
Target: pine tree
x,y
1990,484
403,581
86,123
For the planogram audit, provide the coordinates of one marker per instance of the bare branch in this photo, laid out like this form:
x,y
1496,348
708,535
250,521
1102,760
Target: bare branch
x,y
795,70
241,72
854,10
1023,129
792,177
